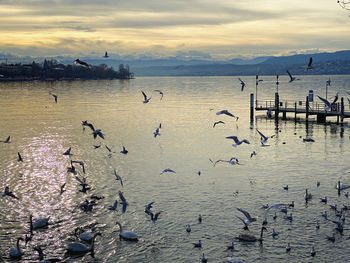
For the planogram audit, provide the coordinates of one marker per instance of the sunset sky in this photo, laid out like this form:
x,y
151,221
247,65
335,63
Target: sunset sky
x,y
199,28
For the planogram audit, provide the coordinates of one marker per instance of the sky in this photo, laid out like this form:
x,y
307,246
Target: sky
x,y
206,29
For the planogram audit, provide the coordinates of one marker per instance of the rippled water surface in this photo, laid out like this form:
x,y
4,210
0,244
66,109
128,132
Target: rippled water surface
x,y
41,131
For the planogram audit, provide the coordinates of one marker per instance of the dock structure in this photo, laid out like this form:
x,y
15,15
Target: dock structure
x,y
302,107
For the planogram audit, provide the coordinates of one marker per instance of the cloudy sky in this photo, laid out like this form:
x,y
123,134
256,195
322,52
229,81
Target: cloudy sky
x,y
219,29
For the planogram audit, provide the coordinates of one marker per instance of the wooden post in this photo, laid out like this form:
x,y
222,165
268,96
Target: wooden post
x,y
251,107
342,109
277,105
295,111
307,107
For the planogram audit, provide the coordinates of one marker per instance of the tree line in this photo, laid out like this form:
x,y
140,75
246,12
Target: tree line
x,y
52,70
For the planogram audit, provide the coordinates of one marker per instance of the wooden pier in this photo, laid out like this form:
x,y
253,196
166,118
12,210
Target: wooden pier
x,y
300,107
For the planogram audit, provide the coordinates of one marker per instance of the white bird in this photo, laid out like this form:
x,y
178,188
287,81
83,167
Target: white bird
x,y
80,248
38,223
329,105
237,142
167,170
242,84
247,215
146,100
127,235
263,138
82,63
226,112
15,252
232,161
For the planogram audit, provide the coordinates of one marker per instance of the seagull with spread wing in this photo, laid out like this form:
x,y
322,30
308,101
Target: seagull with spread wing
x,y
160,92
82,63
329,105
118,178
309,66
291,77
247,215
226,112
242,84
237,142
167,170
146,100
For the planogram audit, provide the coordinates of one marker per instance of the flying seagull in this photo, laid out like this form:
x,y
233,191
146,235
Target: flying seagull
x,y
263,138
329,105
237,142
247,215
82,63
9,193
232,161
124,151
242,84
309,66
117,177
167,171
85,123
218,122
19,157
145,97
7,140
55,97
160,92
98,132
291,77
68,152
226,112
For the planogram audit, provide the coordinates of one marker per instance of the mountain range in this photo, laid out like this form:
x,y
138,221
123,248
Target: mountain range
x,y
329,63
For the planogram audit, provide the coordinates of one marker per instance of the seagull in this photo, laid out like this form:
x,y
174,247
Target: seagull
x,y
82,63
160,92
148,207
247,215
328,82
237,142
7,140
114,206
331,238
85,123
324,200
242,84
9,193
156,133
117,177
97,146
145,97
309,66
188,228
313,251
232,161
19,159
217,122
124,151
55,96
285,187
204,259
232,246
307,195
200,219
154,217
98,132
291,77
199,244
274,233
68,152
106,55
167,170
288,248
122,198
252,154
263,138
329,105
226,112
62,188
80,163
109,149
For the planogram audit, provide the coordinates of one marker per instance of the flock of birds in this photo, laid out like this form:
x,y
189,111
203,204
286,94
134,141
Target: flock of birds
x,y
85,239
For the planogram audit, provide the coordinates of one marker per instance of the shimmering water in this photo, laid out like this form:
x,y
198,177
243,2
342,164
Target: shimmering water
x,y
42,130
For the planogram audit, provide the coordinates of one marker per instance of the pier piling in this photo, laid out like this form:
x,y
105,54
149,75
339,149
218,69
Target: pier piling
x,y
251,107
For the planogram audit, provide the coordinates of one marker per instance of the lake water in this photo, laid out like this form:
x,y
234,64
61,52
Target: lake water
x,y
42,130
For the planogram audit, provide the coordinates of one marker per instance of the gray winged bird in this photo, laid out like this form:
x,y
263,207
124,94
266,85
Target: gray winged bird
x,y
82,63
237,142
329,105
167,171
242,84
98,132
160,92
117,177
309,66
226,112
247,215
146,100
86,123
291,77
55,97
7,140
218,122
